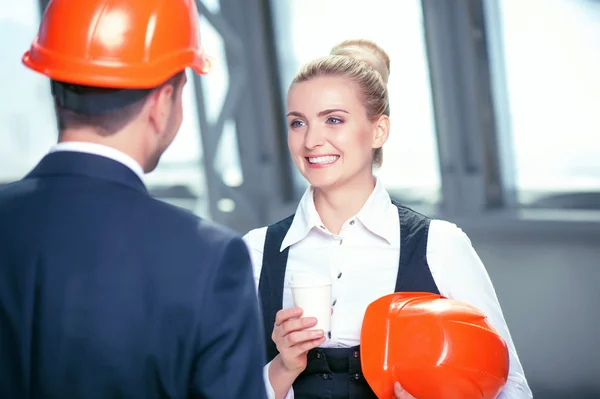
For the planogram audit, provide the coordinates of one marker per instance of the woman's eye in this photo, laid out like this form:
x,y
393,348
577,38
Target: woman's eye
x,y
296,124
333,120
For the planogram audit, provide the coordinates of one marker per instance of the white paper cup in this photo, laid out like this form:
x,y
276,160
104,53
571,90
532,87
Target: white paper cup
x,y
313,294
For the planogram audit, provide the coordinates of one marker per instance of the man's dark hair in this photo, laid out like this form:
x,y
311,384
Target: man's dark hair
x,y
112,110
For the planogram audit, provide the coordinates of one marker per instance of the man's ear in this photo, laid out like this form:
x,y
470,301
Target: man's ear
x,y
160,102
381,131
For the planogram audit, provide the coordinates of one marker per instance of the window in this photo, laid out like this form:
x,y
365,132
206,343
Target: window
x,y
180,176
27,119
552,68
28,122
307,29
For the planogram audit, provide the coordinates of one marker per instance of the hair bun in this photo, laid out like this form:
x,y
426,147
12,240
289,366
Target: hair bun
x,y
365,50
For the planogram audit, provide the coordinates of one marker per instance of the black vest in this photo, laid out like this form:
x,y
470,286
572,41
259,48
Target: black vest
x,y
335,373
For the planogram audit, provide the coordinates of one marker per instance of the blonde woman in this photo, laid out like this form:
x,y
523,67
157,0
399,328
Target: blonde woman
x,y
347,228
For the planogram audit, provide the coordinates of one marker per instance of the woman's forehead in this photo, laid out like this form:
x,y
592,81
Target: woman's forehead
x,y
323,93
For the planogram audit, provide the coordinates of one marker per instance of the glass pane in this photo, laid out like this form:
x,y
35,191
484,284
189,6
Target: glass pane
x,y
179,177
27,120
181,168
552,61
307,29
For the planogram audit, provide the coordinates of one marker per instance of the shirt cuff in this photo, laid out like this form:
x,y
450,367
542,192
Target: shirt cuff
x,y
516,388
269,388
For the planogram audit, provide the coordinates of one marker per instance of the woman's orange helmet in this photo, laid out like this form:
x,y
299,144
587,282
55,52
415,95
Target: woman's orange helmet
x,y
127,44
437,348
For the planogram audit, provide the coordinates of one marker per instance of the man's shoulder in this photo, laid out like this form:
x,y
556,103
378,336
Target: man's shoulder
x,y
11,188
14,194
193,225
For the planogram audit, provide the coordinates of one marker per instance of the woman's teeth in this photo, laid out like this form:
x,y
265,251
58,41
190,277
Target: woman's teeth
x,y
323,160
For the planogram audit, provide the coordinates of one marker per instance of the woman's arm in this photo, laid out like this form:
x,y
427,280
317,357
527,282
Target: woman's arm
x,y
279,380
272,371
460,274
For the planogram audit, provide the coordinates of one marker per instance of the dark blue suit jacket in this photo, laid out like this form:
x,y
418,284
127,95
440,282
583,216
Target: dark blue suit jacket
x,y
106,292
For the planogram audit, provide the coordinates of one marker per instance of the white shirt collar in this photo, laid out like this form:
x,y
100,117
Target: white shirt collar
x,y
101,150
377,215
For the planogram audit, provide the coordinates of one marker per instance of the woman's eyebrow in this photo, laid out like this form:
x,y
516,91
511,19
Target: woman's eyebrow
x,y
322,113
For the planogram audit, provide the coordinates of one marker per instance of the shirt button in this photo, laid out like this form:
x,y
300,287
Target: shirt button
x,y
325,376
352,223
318,355
341,241
339,275
355,354
356,376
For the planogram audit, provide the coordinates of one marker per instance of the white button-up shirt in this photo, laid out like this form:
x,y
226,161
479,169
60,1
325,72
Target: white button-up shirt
x,y
363,263
103,151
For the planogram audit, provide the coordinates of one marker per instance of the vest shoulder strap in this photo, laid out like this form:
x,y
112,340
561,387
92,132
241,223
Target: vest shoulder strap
x,y
414,274
272,276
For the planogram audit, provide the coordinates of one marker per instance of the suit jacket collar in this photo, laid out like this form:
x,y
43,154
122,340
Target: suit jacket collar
x,y
71,163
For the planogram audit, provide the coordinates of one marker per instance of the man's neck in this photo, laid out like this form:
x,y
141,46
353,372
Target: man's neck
x,y
116,142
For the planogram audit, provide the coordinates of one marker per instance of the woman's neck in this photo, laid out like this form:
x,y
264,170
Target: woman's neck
x,y
335,205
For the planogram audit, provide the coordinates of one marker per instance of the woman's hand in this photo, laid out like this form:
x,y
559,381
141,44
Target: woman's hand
x,y
400,393
293,340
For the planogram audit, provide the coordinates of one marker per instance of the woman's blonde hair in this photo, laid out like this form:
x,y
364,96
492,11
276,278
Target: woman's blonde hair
x,y
366,64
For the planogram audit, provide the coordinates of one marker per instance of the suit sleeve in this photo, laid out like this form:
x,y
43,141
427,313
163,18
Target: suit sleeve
x,y
230,347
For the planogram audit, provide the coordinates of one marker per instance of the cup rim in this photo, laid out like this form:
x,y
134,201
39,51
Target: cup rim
x,y
309,285
306,280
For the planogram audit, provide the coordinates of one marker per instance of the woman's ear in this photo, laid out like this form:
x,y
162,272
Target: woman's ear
x,y
382,131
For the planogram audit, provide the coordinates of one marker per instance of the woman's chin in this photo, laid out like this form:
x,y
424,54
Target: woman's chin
x,y
322,180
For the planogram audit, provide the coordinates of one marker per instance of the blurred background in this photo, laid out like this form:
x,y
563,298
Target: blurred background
x,y
495,126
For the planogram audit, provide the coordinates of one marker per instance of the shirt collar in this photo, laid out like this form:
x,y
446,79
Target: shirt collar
x,y
379,214
101,150
376,215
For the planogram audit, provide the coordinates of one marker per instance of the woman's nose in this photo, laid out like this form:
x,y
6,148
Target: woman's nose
x,y
314,138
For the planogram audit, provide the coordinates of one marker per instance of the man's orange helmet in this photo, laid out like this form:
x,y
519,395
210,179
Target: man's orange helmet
x,y
126,44
437,348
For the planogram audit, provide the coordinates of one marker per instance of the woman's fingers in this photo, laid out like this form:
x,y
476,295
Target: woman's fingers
x,y
292,336
289,320
400,393
303,347
298,337
285,314
297,325
291,326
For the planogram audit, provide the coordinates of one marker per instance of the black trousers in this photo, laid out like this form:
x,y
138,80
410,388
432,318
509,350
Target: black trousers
x,y
333,373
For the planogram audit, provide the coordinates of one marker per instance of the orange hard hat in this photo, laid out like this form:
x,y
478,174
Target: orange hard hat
x,y
437,348
125,44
